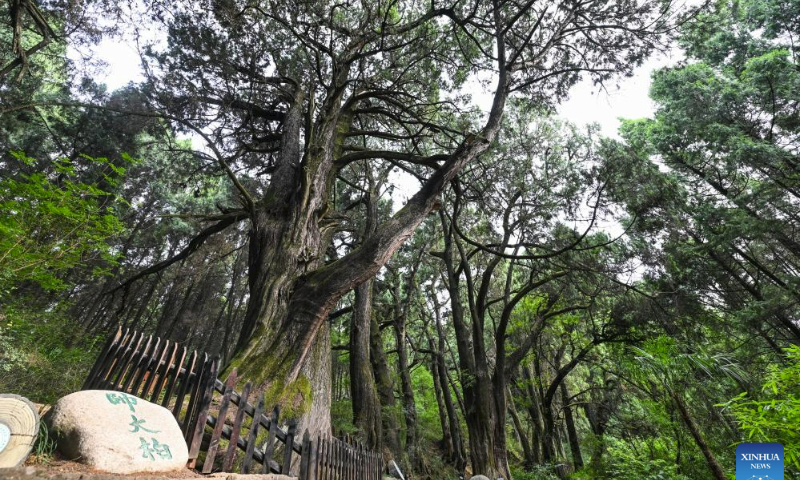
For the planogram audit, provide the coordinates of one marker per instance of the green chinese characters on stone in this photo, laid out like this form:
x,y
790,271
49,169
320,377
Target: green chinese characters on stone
x,y
154,448
118,398
137,424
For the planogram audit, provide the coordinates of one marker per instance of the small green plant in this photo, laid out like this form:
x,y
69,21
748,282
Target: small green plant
x,y
45,445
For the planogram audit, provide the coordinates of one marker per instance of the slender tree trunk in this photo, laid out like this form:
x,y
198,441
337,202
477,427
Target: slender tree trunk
x,y
460,458
143,303
535,415
167,306
225,350
572,433
527,451
409,405
447,438
549,452
179,313
385,387
711,460
364,396
481,404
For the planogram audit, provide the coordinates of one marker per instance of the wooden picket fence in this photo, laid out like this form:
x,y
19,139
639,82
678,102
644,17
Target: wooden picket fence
x,y
334,459
164,373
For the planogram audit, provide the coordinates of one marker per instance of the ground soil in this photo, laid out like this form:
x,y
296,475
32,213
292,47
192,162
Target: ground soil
x,y
59,468
68,470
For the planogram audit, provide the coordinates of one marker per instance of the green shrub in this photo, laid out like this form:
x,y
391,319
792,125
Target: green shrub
x,y
39,357
775,416
538,472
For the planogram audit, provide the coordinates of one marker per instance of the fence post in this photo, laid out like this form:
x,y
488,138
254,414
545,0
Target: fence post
x,y
230,455
213,446
289,444
251,438
202,412
107,347
270,446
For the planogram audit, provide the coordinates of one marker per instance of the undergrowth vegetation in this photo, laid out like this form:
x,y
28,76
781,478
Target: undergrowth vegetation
x,y
41,355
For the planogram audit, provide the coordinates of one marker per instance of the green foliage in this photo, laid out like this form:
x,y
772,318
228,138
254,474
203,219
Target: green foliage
x,y
537,472
427,409
775,415
39,358
342,416
51,222
632,465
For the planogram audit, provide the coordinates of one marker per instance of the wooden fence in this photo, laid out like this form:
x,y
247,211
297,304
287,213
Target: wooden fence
x,y
334,459
164,373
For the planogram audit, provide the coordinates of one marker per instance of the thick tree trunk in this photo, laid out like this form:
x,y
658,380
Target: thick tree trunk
x,y
284,346
500,447
366,407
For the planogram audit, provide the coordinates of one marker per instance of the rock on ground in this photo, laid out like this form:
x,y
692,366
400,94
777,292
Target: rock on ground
x,y
479,477
118,433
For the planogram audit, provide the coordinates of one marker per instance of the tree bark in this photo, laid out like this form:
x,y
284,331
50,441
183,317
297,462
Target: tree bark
x,y
711,460
447,438
409,405
363,393
366,407
459,458
284,347
481,407
527,451
572,432
385,387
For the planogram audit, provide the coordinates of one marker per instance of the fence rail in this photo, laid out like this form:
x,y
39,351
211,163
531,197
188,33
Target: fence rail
x,y
165,373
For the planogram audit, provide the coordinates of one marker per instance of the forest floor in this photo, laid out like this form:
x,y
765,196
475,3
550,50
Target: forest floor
x,y
61,469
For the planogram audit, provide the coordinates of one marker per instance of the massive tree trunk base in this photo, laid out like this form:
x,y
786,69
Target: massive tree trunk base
x,y
303,396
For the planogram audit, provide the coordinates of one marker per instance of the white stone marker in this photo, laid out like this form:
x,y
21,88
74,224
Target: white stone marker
x,y
116,432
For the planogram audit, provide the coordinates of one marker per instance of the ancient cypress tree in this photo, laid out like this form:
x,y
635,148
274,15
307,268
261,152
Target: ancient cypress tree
x,y
285,95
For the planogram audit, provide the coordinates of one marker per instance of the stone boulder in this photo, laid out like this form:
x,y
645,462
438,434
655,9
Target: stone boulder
x,y
479,477
116,432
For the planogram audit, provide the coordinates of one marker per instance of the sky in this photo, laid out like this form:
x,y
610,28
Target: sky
x,y
628,100
625,98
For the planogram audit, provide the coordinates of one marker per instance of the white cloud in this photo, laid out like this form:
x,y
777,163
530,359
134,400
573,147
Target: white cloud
x,y
590,104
